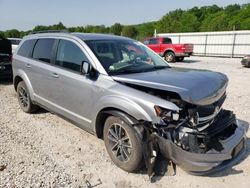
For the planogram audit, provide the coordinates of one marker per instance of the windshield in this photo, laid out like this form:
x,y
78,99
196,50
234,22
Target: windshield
x,y
125,56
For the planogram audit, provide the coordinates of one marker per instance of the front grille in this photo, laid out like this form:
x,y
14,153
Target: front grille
x,y
207,114
222,128
224,119
210,109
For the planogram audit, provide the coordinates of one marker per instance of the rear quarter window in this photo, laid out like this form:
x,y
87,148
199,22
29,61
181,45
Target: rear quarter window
x,y
26,48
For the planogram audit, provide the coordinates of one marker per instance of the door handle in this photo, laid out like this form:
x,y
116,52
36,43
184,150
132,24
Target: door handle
x,y
55,75
27,65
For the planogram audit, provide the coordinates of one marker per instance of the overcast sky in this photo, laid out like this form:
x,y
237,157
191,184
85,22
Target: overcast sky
x,y
26,14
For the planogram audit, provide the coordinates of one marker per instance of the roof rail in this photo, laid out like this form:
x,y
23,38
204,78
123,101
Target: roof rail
x,y
49,31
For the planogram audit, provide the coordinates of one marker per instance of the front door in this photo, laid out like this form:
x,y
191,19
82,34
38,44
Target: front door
x,y
71,92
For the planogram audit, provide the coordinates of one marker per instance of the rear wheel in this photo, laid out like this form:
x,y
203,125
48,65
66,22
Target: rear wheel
x,y
179,59
123,144
169,57
24,98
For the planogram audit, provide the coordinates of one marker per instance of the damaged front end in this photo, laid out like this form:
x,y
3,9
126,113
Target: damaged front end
x,y
200,139
199,135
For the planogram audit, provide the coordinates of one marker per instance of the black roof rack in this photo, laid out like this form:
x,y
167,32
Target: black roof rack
x,y
49,31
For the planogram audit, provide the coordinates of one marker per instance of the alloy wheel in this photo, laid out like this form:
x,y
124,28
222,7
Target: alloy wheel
x,y
23,96
119,142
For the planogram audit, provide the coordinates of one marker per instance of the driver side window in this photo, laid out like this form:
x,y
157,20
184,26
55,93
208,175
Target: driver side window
x,y
69,56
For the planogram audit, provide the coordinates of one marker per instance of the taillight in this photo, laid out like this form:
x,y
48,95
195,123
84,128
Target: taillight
x,y
187,47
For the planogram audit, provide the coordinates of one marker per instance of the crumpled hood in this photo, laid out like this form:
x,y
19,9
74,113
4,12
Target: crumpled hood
x,y
200,87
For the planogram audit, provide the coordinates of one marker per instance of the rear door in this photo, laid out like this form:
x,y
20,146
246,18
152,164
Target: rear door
x,y
39,66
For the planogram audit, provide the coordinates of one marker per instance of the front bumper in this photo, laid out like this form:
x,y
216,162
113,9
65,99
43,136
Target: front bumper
x,y
210,162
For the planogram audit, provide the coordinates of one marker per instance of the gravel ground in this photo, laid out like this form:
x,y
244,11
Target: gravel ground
x,y
43,150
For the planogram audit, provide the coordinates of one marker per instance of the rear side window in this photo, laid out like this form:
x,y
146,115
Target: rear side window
x,y
26,49
69,55
43,50
167,41
153,41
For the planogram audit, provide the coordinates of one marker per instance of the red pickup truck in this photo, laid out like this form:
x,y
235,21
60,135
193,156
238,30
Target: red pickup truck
x,y
171,52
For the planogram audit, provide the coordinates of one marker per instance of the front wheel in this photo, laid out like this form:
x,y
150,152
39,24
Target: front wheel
x,y
122,144
169,57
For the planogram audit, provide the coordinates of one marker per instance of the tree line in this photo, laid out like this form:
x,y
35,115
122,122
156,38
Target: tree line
x,y
206,18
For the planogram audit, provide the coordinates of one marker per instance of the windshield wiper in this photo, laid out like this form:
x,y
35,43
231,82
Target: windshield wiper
x,y
161,67
122,72
131,71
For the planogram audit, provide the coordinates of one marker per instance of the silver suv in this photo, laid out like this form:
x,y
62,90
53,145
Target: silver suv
x,y
124,93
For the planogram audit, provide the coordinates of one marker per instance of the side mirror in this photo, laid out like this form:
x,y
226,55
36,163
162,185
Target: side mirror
x,y
88,70
85,67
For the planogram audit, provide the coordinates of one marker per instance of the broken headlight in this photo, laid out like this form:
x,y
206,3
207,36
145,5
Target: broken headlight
x,y
166,114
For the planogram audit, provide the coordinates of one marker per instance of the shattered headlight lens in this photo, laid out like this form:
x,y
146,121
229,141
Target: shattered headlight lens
x,y
166,114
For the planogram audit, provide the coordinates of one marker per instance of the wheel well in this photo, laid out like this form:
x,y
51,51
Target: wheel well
x,y
16,81
105,113
167,52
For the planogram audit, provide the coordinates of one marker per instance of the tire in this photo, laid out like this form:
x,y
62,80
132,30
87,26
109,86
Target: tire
x,y
179,59
169,57
24,98
122,144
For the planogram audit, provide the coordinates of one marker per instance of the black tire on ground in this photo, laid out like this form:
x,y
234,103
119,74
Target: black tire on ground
x,y
169,57
122,144
24,98
179,59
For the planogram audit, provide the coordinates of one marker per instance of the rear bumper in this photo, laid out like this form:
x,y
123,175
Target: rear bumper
x,y
186,54
211,161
